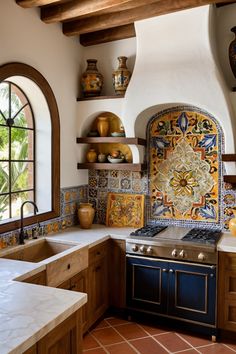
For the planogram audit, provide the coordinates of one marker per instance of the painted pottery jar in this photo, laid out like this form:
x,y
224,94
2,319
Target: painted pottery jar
x,y
232,52
91,155
102,126
91,80
86,215
102,157
121,77
232,224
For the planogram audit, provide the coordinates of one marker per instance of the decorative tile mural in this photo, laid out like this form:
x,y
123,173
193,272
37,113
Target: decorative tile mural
x,y
184,169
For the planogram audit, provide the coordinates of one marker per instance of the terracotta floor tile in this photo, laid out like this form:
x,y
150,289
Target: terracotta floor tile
x,y
172,342
122,348
230,344
107,336
154,330
89,342
148,346
131,331
102,324
216,348
116,321
94,351
189,351
194,340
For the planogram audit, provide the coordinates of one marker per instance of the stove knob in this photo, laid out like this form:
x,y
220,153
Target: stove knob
x,y
143,249
174,253
201,256
182,254
135,248
149,250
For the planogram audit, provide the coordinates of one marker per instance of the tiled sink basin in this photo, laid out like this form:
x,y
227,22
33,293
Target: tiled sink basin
x,y
38,251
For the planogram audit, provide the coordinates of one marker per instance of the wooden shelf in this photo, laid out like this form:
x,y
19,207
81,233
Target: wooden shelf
x,y
230,179
111,139
99,98
112,166
228,157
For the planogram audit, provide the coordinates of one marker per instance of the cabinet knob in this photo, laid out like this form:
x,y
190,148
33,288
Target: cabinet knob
x,y
171,270
164,270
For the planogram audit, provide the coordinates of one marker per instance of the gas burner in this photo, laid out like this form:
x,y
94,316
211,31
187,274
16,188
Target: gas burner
x,y
148,230
203,236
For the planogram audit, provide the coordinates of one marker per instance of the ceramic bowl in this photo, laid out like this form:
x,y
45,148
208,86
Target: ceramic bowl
x,y
117,134
114,160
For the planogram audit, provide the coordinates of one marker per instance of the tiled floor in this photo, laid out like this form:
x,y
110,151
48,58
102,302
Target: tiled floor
x,y
117,336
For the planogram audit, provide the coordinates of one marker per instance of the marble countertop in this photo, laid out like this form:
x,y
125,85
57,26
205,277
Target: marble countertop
x,y
27,311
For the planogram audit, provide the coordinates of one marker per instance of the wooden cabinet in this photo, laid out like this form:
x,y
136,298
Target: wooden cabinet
x,y
117,273
66,338
79,282
227,291
98,301
39,278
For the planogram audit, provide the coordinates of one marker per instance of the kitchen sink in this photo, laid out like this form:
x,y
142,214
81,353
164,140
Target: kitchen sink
x,y
38,251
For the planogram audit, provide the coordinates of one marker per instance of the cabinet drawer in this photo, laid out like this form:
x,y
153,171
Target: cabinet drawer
x,y
98,252
65,267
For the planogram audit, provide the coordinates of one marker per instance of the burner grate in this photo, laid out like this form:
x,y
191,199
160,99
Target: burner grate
x,y
148,230
203,236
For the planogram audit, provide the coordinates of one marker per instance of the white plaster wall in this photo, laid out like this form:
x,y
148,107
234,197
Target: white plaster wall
x,y
25,38
177,66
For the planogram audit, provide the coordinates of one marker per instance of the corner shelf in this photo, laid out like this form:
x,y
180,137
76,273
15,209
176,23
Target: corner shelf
x,y
99,98
111,139
227,158
136,167
107,165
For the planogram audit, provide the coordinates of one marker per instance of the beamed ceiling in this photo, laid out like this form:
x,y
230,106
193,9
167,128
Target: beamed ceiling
x,y
100,21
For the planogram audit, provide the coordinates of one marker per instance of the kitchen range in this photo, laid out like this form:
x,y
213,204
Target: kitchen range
x,y
172,272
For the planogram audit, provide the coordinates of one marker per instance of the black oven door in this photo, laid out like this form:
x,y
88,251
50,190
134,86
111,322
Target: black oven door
x,y
176,289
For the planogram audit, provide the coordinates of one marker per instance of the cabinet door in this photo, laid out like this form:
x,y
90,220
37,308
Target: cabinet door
x,y
227,291
117,273
80,283
64,339
98,289
147,284
32,350
192,292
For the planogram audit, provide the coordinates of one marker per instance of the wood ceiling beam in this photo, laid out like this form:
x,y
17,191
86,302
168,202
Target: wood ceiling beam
x,y
109,35
102,22
226,3
86,8
35,3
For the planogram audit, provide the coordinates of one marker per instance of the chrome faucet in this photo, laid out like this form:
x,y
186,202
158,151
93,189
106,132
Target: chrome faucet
x,y
22,233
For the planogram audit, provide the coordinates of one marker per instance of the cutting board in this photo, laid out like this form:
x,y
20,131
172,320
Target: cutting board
x,y
125,210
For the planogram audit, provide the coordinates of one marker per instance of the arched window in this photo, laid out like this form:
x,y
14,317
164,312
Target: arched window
x,y
29,146
17,136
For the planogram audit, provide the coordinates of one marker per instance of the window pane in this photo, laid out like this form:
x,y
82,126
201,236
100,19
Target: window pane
x,y
16,100
4,207
21,144
4,101
22,176
24,118
18,199
4,143
4,177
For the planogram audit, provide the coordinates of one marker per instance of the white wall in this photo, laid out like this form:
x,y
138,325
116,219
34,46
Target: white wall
x,y
25,38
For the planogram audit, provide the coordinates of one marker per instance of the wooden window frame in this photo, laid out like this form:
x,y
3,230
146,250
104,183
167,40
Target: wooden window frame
x,y
21,69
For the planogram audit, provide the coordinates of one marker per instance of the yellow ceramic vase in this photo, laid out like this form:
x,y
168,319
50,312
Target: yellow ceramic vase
x,y
102,126
86,215
232,224
91,155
